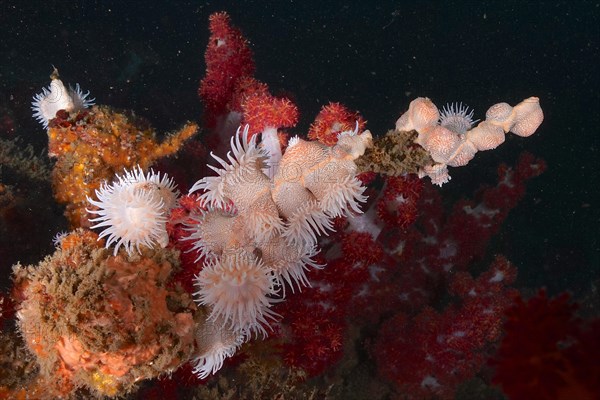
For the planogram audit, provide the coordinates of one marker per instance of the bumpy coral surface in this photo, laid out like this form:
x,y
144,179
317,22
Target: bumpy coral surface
x,y
102,322
450,346
92,146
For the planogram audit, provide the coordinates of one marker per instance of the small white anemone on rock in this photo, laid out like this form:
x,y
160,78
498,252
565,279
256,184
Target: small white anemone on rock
x,y
133,210
57,97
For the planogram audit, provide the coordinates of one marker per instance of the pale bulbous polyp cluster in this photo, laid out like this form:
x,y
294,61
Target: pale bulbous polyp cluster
x,y
452,144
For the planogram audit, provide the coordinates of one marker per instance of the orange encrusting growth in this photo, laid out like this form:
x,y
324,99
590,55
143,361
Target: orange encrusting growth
x,y
100,321
93,145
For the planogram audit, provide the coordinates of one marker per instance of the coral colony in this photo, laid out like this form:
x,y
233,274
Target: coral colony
x,y
284,240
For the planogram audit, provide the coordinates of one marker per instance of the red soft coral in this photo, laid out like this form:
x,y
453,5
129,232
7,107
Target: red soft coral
x,y
228,59
333,119
429,354
262,111
547,352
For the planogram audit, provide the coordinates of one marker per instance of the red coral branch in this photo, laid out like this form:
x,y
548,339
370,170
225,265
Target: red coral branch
x,y
228,60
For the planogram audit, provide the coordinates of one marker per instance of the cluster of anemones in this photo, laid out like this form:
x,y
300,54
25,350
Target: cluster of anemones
x,y
450,139
256,235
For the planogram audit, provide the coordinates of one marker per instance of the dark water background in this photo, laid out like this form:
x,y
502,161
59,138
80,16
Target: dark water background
x,y
372,56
